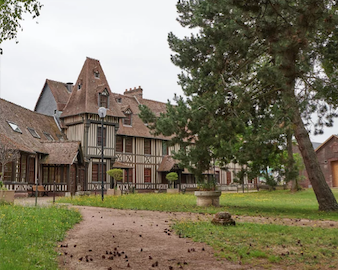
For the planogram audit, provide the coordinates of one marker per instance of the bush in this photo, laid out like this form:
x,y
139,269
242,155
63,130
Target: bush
x,y
171,177
117,174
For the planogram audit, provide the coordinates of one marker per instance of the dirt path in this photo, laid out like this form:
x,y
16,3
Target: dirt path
x,y
127,239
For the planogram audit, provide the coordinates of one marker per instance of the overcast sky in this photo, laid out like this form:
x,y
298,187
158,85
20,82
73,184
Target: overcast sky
x,y
129,38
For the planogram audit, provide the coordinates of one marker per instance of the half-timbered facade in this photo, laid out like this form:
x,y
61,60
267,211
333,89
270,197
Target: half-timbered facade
x,y
127,142
46,156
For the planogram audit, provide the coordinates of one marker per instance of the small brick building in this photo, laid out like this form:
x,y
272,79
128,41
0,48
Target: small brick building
x,y
327,154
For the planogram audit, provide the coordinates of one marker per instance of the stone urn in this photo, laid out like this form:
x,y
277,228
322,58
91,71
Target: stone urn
x,y
208,197
7,196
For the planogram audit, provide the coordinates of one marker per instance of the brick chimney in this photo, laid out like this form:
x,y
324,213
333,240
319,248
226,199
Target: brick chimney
x,y
136,92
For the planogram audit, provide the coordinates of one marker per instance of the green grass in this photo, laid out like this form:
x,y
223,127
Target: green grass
x,y
29,235
266,245
260,244
276,204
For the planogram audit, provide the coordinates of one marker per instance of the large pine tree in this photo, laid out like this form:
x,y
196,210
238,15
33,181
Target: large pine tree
x,y
251,74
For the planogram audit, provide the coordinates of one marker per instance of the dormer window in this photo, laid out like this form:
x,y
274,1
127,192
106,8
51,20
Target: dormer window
x,y
127,119
33,133
96,74
14,127
48,136
79,86
103,98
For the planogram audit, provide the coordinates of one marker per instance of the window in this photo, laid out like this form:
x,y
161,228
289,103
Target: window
x,y
33,133
103,102
119,143
79,86
14,127
99,136
128,175
129,144
119,100
164,148
96,74
127,119
147,175
48,136
147,146
97,172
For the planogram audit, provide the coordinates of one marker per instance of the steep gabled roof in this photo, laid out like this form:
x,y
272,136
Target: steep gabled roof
x,y
60,91
24,118
84,97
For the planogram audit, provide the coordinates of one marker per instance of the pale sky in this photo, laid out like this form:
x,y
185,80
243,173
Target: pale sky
x,y
129,38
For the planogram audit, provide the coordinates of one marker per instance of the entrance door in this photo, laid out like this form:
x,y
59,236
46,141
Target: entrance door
x,y
228,178
334,166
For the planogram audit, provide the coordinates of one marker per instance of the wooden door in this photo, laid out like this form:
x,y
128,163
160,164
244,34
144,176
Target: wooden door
x,y
334,166
228,178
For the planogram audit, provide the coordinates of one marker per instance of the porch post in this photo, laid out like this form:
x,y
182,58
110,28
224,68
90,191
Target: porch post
x,y
68,179
36,179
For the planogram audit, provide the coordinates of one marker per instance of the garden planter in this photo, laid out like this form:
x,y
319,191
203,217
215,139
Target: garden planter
x,y
117,192
110,192
7,196
207,198
172,190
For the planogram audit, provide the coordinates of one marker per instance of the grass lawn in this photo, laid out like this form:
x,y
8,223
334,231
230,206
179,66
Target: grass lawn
x,y
258,244
29,235
279,203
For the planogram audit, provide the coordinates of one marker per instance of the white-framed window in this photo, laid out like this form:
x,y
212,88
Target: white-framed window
x,y
14,126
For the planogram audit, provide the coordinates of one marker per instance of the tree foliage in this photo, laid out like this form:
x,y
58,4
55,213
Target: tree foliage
x,y
11,14
172,177
251,75
117,174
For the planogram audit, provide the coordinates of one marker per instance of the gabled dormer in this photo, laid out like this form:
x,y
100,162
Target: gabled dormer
x,y
127,121
103,98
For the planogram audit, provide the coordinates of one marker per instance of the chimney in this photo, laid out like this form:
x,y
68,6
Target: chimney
x,y
136,92
69,86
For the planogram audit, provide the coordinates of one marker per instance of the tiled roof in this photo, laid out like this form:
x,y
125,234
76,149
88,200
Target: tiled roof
x,y
138,128
14,145
61,152
24,119
167,164
85,99
59,91
121,165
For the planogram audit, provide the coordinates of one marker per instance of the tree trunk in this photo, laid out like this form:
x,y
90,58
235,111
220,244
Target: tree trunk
x,y
325,197
291,163
2,171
